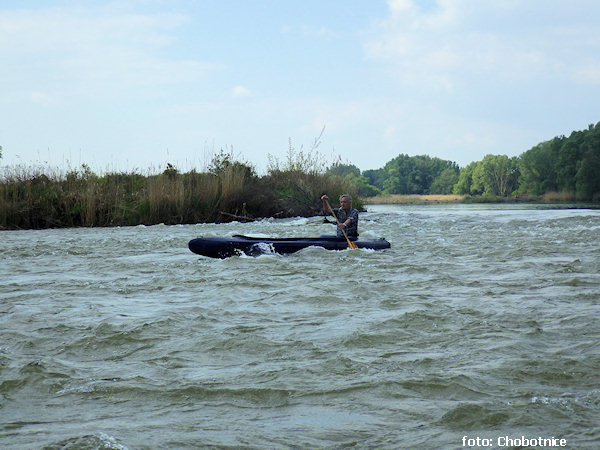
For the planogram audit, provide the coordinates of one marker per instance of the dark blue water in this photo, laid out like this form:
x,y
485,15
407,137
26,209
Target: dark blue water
x,y
481,321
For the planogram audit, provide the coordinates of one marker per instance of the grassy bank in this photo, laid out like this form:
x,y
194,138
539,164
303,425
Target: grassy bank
x,y
34,198
417,199
414,199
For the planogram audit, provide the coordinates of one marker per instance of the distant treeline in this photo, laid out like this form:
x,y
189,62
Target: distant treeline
x,y
228,190
564,167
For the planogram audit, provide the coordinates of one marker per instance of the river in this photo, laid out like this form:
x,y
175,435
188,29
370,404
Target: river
x,y
481,322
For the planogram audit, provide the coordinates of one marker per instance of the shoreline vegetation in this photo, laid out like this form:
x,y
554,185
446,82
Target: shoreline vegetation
x,y
434,199
562,170
228,190
414,199
31,199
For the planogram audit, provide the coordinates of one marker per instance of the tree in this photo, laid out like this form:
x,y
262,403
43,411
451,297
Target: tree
x,y
537,169
351,174
478,179
568,154
444,182
223,161
563,164
587,178
465,179
343,170
495,175
409,174
361,185
375,177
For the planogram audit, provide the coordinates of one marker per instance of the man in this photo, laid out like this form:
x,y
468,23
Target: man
x,y
347,216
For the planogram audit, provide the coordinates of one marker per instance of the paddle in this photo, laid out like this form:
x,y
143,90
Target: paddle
x,y
351,244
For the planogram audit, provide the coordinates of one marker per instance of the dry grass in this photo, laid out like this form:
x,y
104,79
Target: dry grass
x,y
414,199
559,197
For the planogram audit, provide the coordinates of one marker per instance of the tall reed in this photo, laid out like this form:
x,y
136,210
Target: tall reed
x,y
32,198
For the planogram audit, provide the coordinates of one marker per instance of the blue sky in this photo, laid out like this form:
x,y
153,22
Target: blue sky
x,y
132,85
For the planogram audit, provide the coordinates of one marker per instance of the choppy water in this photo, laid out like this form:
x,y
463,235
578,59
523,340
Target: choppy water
x,y
481,321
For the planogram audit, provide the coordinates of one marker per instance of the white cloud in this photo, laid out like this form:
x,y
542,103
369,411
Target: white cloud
x,y
240,91
455,41
450,78
105,51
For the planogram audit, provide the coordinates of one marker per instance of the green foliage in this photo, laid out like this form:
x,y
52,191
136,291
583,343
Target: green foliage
x,y
498,175
563,164
297,182
409,174
445,181
351,175
568,165
171,171
298,161
219,162
537,169
465,180
360,185
587,178
223,161
343,170
494,176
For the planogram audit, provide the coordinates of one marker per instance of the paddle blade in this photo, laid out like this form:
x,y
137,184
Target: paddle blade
x,y
352,245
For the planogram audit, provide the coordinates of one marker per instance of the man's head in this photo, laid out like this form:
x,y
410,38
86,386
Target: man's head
x,y
345,201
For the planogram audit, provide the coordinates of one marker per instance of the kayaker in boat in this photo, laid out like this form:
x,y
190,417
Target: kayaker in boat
x,y
346,215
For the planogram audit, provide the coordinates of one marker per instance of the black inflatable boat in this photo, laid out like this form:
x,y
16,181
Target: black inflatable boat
x,y
223,247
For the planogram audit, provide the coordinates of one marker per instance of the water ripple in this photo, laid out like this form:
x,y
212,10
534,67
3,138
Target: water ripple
x,y
480,320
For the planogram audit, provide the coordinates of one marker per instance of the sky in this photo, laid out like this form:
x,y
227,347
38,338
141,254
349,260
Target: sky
x,y
135,84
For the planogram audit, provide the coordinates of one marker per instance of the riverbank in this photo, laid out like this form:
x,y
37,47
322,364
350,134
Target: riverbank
x,y
229,191
413,199
434,199
80,198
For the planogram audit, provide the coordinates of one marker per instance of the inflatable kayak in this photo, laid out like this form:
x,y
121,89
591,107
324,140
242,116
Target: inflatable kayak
x,y
223,247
